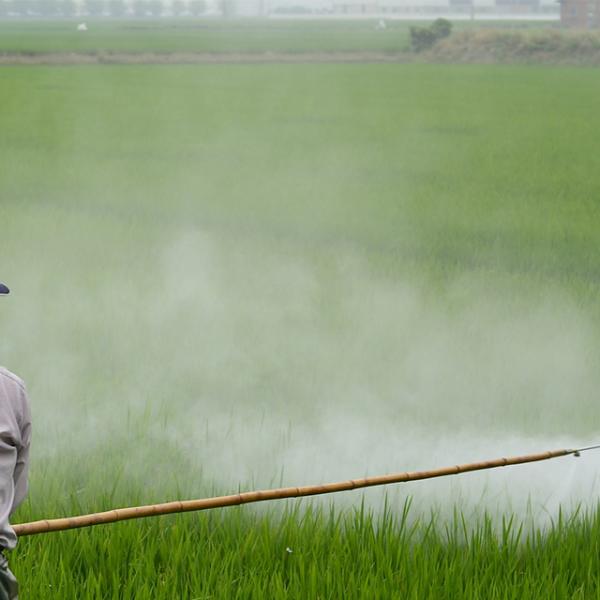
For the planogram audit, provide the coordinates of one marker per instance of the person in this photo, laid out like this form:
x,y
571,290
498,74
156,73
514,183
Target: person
x,y
15,438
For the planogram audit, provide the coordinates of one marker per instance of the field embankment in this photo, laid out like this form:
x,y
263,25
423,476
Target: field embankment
x,y
483,46
200,58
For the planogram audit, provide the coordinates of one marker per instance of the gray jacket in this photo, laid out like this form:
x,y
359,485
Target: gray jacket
x,y
15,437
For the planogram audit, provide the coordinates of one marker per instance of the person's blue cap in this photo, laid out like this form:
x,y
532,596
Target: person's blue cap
x,y
4,289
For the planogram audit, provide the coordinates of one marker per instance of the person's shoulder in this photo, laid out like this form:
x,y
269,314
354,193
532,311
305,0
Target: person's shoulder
x,y
7,375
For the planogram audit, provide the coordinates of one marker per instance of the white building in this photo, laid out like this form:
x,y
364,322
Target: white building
x,y
391,8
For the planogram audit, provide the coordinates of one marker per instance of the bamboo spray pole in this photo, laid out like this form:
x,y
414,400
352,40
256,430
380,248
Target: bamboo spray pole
x,y
154,510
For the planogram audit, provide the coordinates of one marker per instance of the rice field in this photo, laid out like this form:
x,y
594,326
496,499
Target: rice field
x,y
233,277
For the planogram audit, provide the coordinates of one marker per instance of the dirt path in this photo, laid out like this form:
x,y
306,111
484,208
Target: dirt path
x,y
150,58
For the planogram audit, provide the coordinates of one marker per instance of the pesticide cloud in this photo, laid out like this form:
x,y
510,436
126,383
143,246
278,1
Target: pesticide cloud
x,y
254,364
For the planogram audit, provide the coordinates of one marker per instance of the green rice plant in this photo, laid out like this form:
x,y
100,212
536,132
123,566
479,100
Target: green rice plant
x,y
208,262
317,553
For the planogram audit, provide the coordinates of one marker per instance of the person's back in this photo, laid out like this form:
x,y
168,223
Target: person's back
x,y
15,437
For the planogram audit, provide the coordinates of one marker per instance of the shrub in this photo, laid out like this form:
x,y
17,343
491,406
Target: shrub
x,y
441,28
424,38
421,38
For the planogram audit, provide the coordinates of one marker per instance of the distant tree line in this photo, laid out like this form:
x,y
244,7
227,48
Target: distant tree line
x,y
108,8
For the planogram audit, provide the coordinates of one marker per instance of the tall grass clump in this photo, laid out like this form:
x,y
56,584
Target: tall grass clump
x,y
506,46
424,38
